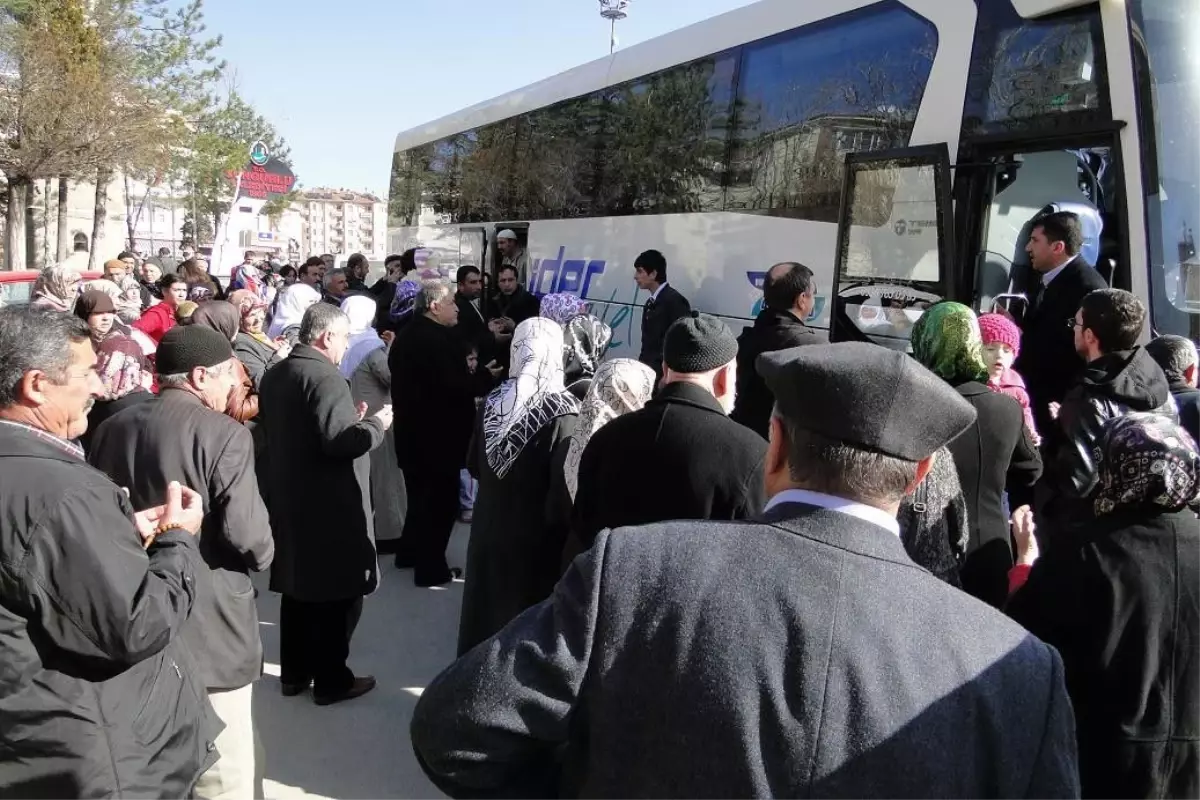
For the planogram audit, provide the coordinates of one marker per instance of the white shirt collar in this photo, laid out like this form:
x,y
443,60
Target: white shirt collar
x,y
862,511
658,291
1052,274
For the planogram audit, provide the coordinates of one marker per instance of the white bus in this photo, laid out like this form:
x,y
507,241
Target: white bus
x,y
898,148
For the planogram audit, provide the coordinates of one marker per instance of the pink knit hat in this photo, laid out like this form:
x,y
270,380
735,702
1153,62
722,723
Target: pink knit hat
x,y
999,328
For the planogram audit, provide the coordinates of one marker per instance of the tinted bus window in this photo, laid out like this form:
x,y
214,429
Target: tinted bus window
x,y
805,98
1045,74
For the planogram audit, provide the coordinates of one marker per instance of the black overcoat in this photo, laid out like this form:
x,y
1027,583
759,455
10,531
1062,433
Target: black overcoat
x,y
680,457
805,656
319,481
1121,606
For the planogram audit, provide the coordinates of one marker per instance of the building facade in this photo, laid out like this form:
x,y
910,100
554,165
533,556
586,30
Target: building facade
x,y
339,221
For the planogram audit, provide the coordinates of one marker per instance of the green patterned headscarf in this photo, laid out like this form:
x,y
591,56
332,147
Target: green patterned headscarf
x,y
946,340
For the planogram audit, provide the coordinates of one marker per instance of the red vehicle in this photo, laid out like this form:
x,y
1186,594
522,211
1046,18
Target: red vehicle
x,y
17,286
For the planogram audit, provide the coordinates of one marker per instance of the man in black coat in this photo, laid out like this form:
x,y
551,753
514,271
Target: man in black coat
x,y
1047,360
472,326
318,486
1180,364
433,392
99,695
680,457
803,655
789,294
664,306
1119,377
510,306
187,436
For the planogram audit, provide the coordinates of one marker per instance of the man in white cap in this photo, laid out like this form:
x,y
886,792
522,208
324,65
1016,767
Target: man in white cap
x,y
514,255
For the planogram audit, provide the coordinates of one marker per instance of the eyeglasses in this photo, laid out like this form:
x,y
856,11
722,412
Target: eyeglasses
x,y
1072,323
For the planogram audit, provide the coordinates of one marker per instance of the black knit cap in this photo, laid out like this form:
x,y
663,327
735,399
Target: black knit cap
x,y
186,347
698,343
867,396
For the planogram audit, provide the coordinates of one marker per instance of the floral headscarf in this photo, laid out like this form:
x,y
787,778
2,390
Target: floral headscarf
x,y
946,340
55,288
1145,460
586,339
404,300
531,399
122,367
620,386
562,307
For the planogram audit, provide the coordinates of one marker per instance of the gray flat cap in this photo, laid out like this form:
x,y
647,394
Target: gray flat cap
x,y
867,396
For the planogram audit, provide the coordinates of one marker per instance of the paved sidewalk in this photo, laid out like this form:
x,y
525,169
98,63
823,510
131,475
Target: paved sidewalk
x,y
360,748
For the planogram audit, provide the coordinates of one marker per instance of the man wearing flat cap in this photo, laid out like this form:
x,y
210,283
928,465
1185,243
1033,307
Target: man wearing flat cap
x,y
689,459
802,654
185,436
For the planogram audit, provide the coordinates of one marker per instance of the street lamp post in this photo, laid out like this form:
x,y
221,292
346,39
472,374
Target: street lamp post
x,y
613,10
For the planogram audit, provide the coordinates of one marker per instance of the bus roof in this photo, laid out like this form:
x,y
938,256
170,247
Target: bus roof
x,y
751,23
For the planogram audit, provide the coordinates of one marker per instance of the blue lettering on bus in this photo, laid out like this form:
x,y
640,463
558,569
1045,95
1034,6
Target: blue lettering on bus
x,y
557,274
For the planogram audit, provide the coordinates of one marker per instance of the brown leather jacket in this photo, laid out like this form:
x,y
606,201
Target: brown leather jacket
x,y
243,402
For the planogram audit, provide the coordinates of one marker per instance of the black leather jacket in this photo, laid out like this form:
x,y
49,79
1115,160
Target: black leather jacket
x,y
1117,383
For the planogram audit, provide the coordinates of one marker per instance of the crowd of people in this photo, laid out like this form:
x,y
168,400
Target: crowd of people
x,y
736,565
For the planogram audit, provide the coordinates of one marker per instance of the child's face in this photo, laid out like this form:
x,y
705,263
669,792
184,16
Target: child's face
x,y
472,361
998,356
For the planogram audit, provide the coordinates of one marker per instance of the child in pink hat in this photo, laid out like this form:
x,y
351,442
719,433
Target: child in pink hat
x,y
1001,344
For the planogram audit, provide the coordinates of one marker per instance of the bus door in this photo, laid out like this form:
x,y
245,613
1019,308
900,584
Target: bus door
x,y
894,244
472,250
1002,187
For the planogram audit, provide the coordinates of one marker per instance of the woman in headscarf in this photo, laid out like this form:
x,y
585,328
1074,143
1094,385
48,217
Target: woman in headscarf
x,y
56,288
1118,600
252,346
223,318
512,558
586,341
129,301
366,366
619,387
289,310
562,307
124,371
201,286
996,453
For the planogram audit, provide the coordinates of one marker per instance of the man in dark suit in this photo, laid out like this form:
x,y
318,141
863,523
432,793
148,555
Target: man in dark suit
x,y
433,393
325,560
472,326
789,294
1177,357
800,655
696,462
1048,361
185,436
664,307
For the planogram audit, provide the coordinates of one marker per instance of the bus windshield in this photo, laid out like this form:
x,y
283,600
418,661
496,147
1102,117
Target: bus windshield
x,y
1168,34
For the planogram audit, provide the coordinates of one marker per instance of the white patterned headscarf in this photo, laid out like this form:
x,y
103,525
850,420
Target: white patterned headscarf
x,y
620,386
532,398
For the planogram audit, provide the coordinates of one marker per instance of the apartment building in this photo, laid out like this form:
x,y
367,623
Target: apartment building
x,y
342,221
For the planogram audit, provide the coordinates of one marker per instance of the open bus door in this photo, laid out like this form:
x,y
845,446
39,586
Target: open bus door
x,y
894,244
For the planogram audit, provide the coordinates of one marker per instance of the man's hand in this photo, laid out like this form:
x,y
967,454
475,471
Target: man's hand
x,y
496,326
386,416
1054,409
361,410
1023,528
184,508
495,368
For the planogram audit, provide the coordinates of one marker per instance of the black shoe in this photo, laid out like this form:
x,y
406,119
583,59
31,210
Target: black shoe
x,y
387,547
293,689
405,562
440,579
357,689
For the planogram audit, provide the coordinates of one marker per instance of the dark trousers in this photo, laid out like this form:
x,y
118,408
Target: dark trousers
x,y
432,510
314,642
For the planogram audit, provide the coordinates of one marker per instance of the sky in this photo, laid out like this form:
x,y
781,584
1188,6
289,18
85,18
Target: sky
x,y
339,80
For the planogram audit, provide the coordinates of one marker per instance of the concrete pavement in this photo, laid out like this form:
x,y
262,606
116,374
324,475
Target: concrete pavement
x,y
360,748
